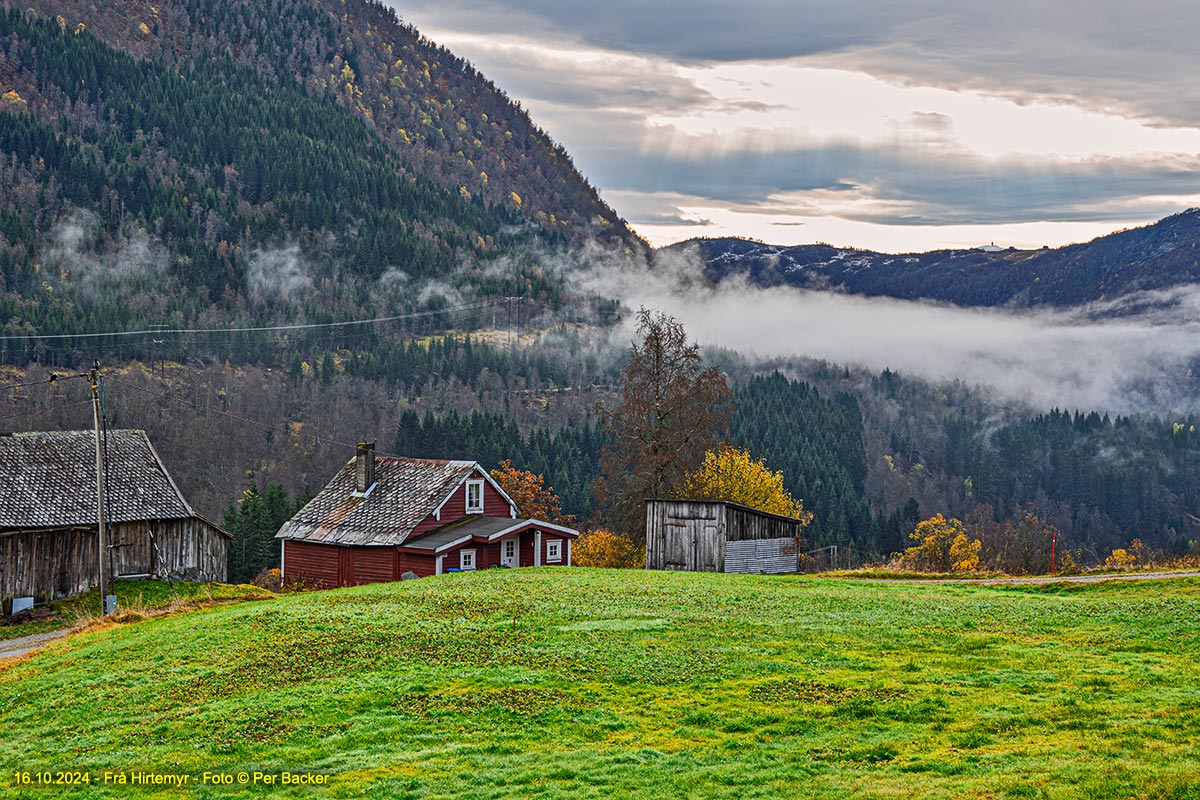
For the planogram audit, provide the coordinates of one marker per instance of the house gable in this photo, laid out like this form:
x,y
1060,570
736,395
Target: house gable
x,y
496,503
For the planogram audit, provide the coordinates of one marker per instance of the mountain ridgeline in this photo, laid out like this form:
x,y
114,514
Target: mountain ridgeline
x,y
1157,256
313,156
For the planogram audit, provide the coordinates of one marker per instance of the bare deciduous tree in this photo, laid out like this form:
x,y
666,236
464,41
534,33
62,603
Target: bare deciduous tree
x,y
671,411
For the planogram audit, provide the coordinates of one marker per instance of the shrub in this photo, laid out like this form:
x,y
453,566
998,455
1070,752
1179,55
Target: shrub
x,y
269,579
1120,559
942,546
603,548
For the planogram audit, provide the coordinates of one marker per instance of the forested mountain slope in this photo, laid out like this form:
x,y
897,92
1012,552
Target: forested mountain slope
x,y
1156,256
318,157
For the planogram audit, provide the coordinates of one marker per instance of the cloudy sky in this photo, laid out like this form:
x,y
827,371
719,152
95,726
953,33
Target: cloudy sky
x,y
898,126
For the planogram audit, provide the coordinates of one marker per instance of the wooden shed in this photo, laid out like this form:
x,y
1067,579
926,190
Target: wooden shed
x,y
48,522
719,536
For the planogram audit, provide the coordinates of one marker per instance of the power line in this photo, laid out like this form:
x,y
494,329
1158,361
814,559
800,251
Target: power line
x,y
252,329
54,378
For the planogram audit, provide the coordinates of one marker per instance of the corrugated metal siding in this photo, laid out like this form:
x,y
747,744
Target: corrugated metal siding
x,y
765,556
313,564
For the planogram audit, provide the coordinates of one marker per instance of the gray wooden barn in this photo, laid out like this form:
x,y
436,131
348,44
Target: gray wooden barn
x,y
719,536
48,543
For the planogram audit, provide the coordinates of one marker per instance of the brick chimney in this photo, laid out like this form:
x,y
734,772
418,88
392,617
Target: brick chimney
x,y
364,467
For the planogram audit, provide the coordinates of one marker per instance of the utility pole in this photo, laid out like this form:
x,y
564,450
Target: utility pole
x,y
1053,547
101,537
157,329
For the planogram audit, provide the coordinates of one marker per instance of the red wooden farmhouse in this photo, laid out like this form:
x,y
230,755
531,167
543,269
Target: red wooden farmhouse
x,y
382,517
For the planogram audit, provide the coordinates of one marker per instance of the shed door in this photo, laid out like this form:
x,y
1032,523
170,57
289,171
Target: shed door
x,y
704,557
345,566
680,546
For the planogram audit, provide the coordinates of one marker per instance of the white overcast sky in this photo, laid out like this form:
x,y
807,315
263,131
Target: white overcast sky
x,y
897,126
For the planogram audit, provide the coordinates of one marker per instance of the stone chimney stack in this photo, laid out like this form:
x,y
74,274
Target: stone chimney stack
x,y
364,467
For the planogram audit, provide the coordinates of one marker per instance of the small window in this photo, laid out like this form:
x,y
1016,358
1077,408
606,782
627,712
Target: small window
x,y
466,559
554,550
510,548
475,497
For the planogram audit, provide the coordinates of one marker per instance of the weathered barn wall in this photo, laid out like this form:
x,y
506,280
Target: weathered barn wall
x,y
46,564
714,536
684,535
742,524
49,564
188,549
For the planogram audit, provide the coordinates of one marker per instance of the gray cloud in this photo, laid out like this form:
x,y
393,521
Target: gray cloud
x,y
1103,55
1099,53
914,185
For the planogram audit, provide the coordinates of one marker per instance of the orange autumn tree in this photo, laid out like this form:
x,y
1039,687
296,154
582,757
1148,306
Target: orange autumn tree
x,y
534,499
729,473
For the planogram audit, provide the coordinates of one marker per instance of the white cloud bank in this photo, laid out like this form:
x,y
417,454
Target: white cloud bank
x,y
1130,355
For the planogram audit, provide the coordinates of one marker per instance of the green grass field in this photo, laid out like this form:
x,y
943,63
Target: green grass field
x,y
589,683
136,599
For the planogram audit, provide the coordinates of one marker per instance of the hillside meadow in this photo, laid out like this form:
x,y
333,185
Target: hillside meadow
x,y
593,684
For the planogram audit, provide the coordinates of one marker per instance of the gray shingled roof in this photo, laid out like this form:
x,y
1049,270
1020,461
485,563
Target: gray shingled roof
x,y
407,490
468,528
48,480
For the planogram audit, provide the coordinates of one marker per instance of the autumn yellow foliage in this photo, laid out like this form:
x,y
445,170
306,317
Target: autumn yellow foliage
x,y
729,473
942,546
13,99
602,548
1124,559
1120,559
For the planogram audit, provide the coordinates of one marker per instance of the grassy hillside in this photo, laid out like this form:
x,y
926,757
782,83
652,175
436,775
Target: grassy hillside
x,y
585,683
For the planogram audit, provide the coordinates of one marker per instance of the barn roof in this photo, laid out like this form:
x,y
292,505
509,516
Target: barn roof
x,y
48,480
405,493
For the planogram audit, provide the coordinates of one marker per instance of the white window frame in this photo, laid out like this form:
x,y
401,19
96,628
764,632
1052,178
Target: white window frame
x,y
474,483
553,551
507,556
466,559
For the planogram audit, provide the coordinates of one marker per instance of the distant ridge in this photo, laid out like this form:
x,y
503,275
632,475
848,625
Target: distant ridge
x,y
1156,256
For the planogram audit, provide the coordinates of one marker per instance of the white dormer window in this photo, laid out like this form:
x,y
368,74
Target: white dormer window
x,y
475,496
553,550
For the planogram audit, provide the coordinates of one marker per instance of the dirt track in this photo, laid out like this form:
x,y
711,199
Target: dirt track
x,y
24,645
